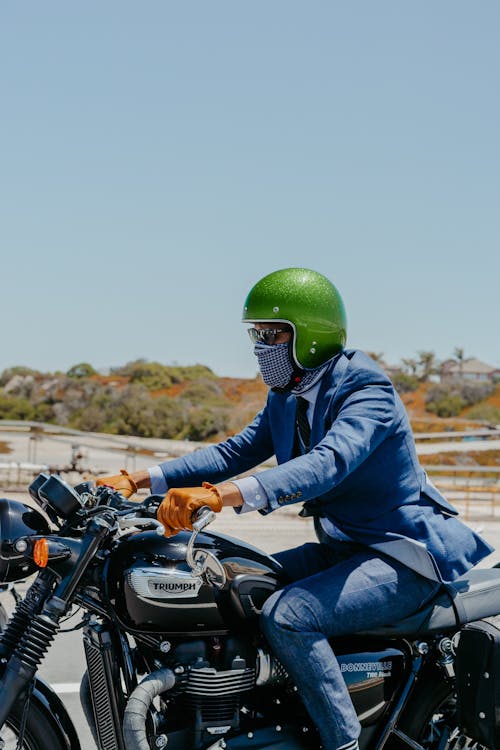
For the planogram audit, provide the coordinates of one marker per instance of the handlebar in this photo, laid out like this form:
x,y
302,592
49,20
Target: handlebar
x,y
202,517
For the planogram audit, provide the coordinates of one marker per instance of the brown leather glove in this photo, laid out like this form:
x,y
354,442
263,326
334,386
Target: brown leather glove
x,y
180,503
122,482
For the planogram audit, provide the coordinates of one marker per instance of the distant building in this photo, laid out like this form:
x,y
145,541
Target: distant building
x,y
469,369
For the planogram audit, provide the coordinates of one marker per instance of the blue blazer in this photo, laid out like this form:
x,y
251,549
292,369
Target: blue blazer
x,y
362,472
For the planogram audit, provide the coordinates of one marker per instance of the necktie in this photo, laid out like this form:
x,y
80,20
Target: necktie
x,y
303,427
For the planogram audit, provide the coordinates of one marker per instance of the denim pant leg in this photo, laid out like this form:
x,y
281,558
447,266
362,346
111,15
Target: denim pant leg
x,y
358,593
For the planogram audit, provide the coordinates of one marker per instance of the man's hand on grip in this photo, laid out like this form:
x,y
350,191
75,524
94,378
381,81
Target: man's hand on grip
x,y
122,482
176,510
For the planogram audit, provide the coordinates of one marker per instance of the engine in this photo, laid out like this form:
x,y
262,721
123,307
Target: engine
x,y
216,681
234,682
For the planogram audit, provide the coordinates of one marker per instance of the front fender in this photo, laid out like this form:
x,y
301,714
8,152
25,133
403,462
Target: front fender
x,y
56,714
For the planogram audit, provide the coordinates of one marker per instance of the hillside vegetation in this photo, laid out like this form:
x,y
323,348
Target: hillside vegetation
x,y
154,400
141,398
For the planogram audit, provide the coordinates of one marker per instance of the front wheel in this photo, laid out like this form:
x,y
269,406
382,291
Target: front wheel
x,y
38,734
433,723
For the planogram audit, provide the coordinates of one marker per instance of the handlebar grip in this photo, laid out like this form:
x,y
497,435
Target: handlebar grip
x,y
202,517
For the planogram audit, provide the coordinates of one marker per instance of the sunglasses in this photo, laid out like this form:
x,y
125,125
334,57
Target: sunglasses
x,y
265,335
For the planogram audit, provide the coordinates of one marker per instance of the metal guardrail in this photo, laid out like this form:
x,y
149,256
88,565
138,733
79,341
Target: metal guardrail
x,y
16,474
471,487
132,443
492,432
475,490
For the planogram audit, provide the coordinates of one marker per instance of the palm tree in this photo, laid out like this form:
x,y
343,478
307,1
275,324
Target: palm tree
x,y
411,365
428,365
459,356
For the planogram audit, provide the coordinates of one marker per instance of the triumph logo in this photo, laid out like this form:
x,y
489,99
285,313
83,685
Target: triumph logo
x,y
172,587
163,583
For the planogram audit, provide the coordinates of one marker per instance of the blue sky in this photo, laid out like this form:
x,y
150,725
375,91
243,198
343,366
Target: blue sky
x,y
158,158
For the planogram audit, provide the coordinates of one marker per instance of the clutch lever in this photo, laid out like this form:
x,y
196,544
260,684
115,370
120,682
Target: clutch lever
x,y
143,514
128,522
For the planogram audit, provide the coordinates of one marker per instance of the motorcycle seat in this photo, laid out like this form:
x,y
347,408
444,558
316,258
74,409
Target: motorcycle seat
x,y
471,597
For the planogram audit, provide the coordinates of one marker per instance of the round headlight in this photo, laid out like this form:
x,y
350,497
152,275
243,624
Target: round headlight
x,y
17,520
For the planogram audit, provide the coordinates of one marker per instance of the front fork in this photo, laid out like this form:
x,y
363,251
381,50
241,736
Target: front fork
x,y
26,608
36,622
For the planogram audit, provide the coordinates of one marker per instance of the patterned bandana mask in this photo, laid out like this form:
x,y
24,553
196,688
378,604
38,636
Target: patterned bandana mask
x,y
277,370
274,364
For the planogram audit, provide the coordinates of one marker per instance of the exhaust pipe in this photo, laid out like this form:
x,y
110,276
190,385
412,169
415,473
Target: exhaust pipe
x,y
136,711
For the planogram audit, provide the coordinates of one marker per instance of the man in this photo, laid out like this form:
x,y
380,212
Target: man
x,y
344,447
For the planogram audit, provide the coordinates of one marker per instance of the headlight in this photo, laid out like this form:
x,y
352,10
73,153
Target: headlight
x,y
17,520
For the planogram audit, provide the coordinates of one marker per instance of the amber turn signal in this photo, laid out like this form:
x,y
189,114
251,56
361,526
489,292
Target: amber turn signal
x,y
41,553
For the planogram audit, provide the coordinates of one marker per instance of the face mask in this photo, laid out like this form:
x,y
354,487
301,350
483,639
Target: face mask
x,y
274,364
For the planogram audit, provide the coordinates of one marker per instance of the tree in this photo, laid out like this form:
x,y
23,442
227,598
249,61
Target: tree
x,y
427,364
411,365
459,357
405,383
82,370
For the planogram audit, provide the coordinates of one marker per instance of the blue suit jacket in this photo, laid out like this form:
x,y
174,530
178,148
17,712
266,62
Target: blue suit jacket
x,y
362,472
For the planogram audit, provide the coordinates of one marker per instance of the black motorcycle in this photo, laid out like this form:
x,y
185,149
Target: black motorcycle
x,y
175,657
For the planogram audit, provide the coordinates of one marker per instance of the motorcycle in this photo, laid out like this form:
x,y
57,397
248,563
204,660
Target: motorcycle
x,y
175,657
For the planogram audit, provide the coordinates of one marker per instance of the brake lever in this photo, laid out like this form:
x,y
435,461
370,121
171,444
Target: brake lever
x,y
129,521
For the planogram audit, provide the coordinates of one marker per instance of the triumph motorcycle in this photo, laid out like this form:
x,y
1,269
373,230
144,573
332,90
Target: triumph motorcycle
x,y
175,657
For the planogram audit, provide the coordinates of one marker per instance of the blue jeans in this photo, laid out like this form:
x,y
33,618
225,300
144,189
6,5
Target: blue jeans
x,y
334,589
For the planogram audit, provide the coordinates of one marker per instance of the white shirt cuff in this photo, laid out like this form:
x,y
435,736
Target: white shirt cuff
x,y
253,493
158,482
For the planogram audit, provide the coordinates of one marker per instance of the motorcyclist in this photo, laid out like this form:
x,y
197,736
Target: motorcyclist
x,y
387,538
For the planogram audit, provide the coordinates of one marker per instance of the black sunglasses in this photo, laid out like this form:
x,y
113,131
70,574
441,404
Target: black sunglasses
x,y
265,335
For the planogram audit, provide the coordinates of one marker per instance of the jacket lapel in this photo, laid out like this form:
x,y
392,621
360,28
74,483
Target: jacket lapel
x,y
327,390
289,426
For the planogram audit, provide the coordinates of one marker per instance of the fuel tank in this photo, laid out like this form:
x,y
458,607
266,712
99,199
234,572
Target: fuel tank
x,y
151,589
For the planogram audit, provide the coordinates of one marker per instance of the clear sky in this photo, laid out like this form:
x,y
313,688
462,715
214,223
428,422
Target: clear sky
x,y
158,158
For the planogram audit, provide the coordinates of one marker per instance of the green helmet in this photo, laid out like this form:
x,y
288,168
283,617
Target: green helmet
x,y
310,303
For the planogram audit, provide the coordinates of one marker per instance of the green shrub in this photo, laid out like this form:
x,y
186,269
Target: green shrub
x,y
14,407
405,383
153,375
447,405
204,392
204,423
82,370
485,413
191,372
156,376
449,398
9,373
